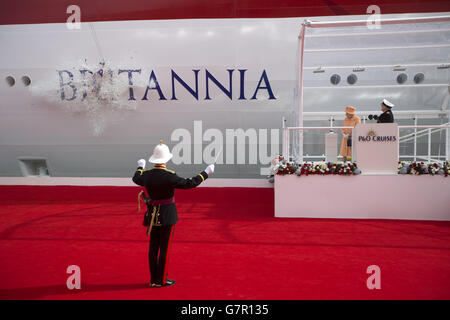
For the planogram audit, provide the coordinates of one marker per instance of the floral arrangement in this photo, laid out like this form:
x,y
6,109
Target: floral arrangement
x,y
282,167
419,168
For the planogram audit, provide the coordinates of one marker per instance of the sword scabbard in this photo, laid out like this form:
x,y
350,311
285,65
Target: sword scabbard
x,y
149,229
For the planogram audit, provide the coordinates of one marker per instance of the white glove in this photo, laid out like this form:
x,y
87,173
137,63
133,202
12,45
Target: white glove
x,y
141,163
345,135
209,169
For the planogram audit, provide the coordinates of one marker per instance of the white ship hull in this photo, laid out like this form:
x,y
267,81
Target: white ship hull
x,y
242,74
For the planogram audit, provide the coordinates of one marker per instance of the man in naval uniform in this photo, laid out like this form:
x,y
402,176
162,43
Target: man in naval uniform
x,y
162,214
386,116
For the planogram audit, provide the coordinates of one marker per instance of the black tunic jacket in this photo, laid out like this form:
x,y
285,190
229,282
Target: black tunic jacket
x,y
161,183
386,117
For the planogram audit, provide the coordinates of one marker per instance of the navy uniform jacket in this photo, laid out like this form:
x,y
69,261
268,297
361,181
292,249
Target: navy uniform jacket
x,y
386,117
161,183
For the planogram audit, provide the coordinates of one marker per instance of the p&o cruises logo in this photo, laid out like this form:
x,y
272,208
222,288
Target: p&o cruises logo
x,y
372,136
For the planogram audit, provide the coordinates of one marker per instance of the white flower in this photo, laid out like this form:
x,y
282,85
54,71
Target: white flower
x,y
275,168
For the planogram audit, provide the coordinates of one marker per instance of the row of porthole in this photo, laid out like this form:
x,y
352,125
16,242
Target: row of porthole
x,y
401,78
418,78
26,80
334,79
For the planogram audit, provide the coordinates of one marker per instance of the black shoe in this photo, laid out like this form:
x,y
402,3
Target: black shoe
x,y
169,283
159,285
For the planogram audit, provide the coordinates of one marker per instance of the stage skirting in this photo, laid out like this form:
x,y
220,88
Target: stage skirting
x,y
421,197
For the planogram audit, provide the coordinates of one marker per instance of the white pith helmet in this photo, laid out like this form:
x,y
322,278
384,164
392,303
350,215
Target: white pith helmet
x,y
161,154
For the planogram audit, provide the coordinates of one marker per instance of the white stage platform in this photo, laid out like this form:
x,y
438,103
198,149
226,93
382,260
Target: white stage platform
x,y
409,197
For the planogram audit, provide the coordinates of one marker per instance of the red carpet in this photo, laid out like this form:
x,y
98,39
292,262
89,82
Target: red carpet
x,y
227,245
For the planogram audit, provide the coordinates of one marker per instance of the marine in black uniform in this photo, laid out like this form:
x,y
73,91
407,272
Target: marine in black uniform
x,y
386,116
161,216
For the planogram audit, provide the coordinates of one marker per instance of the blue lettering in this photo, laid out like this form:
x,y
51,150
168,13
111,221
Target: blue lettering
x,y
184,84
83,73
130,80
155,87
62,85
267,87
242,92
219,85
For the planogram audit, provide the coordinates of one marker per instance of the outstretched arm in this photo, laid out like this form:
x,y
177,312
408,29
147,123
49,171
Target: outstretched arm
x,y
137,178
182,183
189,183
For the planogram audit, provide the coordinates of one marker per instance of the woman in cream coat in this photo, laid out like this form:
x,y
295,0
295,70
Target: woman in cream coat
x,y
351,120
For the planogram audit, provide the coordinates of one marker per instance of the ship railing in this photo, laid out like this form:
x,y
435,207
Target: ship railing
x,y
419,131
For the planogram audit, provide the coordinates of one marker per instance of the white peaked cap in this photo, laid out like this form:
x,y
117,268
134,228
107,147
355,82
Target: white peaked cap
x,y
161,154
387,103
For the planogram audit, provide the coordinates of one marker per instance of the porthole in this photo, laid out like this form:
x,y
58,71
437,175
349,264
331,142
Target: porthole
x,y
335,79
401,78
10,81
26,80
418,78
351,79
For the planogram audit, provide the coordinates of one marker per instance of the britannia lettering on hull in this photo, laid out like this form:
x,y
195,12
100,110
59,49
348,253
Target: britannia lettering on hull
x,y
69,90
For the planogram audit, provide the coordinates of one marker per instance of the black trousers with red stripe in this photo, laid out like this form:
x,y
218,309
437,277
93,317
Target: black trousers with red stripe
x,y
158,253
